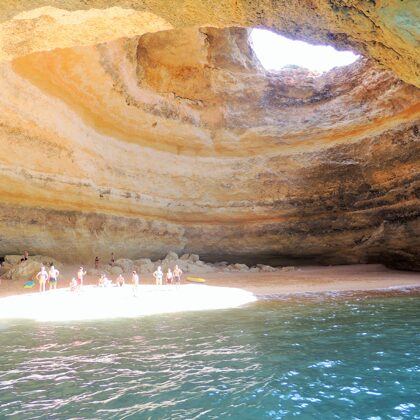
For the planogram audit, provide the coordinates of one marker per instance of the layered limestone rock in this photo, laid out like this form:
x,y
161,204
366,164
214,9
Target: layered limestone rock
x,y
180,141
386,30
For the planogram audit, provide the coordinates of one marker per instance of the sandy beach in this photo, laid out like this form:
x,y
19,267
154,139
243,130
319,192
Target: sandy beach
x,y
221,290
302,280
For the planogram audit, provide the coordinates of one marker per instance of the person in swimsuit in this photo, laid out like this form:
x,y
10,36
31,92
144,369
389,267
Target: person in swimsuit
x,y
73,285
96,263
177,275
169,276
135,279
158,275
53,277
107,281
42,277
104,281
120,280
80,274
101,281
112,259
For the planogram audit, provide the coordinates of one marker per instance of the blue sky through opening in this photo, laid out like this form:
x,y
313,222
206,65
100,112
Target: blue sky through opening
x,y
275,51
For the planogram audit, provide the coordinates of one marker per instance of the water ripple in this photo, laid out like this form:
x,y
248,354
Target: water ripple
x,y
353,358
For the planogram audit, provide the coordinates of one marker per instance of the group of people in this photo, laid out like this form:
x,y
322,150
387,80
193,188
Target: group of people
x,y
104,281
171,276
51,275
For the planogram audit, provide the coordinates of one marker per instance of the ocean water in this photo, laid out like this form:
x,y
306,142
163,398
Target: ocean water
x,y
346,357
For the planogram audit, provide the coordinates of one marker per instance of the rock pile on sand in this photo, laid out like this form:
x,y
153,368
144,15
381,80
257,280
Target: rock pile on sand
x,y
189,264
15,269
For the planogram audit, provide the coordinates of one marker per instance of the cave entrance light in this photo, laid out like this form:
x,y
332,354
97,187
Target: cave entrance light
x,y
276,52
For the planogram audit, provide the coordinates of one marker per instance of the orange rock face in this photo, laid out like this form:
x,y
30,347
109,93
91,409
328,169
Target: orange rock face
x,y
179,140
386,30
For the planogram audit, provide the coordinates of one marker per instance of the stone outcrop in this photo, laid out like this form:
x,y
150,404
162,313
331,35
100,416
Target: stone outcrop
x,y
179,140
27,270
386,30
188,263
15,269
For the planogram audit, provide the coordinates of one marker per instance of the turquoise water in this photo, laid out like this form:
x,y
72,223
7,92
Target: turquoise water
x,y
341,357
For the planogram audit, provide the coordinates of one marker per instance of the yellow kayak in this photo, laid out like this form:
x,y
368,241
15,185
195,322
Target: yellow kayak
x,y
196,279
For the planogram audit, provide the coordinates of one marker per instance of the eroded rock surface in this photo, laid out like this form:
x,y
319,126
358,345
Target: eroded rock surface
x,y
386,30
180,141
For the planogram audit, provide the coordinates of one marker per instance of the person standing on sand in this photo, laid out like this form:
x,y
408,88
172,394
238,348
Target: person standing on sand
x,y
169,276
96,263
112,259
101,281
177,275
42,277
135,279
53,277
158,275
80,274
120,280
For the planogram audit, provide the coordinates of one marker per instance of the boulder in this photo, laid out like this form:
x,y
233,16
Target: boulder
x,y
143,269
5,267
254,270
195,269
144,266
116,270
199,268
172,256
194,258
142,261
45,260
125,264
266,268
157,263
12,259
182,264
185,257
221,264
289,268
42,259
26,270
241,267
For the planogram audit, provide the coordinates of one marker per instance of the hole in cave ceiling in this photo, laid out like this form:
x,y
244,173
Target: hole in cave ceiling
x,y
276,52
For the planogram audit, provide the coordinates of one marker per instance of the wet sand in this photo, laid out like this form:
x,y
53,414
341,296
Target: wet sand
x,y
361,277
302,280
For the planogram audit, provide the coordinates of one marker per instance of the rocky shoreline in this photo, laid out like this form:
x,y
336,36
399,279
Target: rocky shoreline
x,y
14,269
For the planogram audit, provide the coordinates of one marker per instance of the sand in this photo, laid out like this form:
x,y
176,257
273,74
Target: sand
x,y
221,290
302,280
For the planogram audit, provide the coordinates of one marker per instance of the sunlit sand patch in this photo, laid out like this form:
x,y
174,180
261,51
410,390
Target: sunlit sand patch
x,y
116,302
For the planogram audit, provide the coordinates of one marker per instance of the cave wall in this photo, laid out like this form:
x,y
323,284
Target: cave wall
x,y
179,140
385,30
